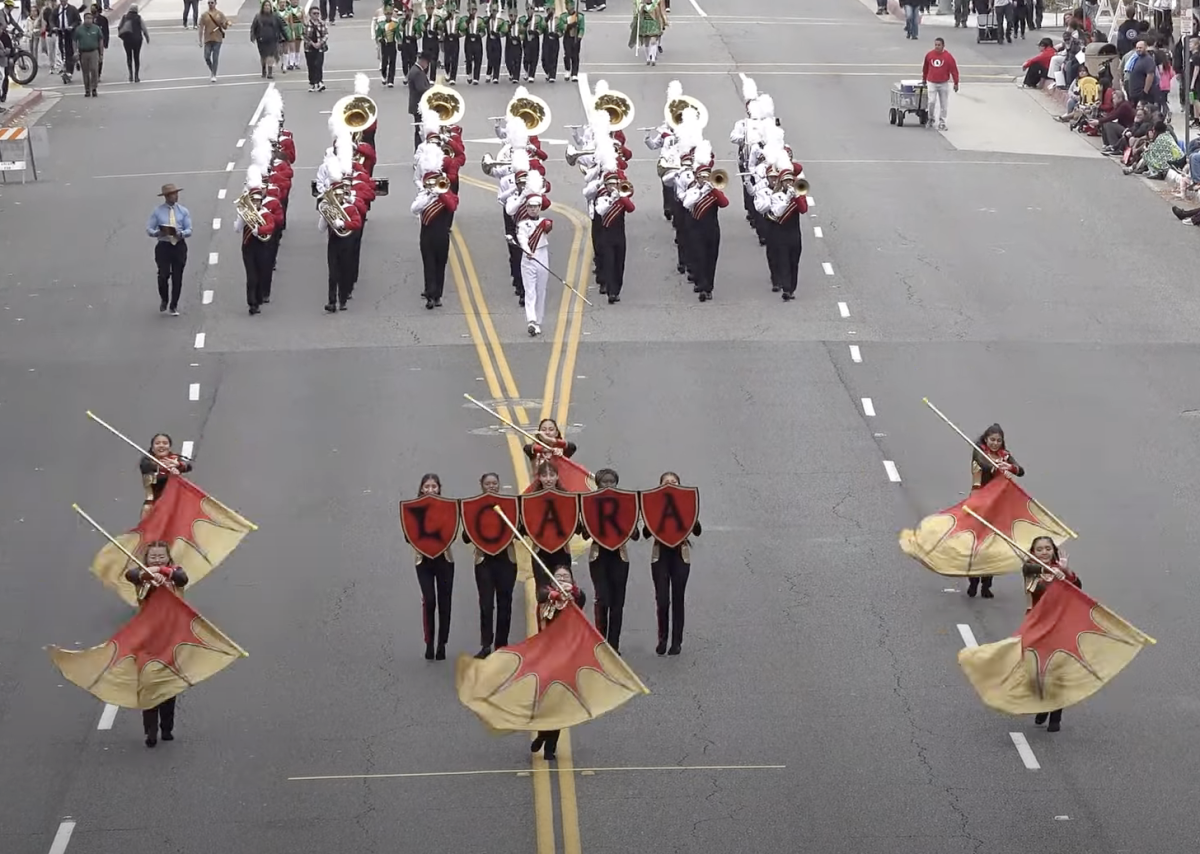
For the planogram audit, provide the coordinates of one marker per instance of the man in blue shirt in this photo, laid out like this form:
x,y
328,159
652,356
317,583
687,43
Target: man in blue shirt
x,y
170,225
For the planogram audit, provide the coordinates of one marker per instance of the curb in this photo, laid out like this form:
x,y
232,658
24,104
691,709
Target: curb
x,y
17,112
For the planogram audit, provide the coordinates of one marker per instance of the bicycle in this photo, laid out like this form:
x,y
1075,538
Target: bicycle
x,y
24,62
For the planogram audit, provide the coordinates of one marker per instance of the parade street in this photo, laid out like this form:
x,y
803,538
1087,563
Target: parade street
x,y
1002,268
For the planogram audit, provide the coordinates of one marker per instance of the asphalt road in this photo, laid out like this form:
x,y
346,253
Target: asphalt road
x,y
817,705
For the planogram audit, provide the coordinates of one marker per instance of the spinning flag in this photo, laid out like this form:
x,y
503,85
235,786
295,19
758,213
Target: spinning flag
x,y
952,542
572,477
562,676
165,649
200,531
1067,649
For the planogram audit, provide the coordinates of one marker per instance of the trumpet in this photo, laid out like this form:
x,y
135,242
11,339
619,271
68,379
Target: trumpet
x,y
625,189
490,163
438,184
718,178
247,208
798,184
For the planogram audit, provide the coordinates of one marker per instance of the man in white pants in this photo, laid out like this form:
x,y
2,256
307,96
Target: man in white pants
x,y
937,73
532,237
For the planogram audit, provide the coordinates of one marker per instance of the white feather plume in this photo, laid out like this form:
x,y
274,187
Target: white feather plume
x,y
362,84
674,90
521,92
749,89
520,160
704,152
782,161
772,137
334,127
334,168
273,103
260,155
254,177
755,110
606,157
601,87
767,105
516,134
534,184
429,123
344,149
690,133
601,127
430,158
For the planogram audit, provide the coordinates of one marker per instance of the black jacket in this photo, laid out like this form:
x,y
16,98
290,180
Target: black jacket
x,y
52,18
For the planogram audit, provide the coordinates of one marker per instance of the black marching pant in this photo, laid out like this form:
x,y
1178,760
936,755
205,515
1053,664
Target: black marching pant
x,y
495,52
416,131
514,255
315,61
133,56
450,50
496,578
387,61
435,253
668,199
339,254
681,219
610,255
171,259
357,237
433,46
571,45
474,51
597,227
670,575
610,577
549,739
436,578
705,248
512,57
783,253
66,49
530,53
161,717
329,10
973,584
408,56
550,51
258,260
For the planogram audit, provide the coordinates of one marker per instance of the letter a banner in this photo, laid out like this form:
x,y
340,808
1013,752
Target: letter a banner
x,y
550,518
610,516
483,524
430,524
670,512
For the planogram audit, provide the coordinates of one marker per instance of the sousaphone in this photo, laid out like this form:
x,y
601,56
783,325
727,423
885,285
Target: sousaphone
x,y
619,108
673,111
446,103
532,111
355,113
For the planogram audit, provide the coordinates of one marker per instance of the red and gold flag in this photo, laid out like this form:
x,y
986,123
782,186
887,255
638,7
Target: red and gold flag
x,y
1068,648
200,531
572,477
952,542
563,676
165,649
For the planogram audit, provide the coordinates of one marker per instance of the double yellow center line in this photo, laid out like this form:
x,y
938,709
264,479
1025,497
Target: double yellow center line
x,y
502,386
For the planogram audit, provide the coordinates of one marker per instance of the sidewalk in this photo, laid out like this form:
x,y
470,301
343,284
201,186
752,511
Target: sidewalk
x,y
932,19
20,101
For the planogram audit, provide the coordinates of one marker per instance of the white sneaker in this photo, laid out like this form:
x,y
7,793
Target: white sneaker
x,y
533,330
213,79
941,125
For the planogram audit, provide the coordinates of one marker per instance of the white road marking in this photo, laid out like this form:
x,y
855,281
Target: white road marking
x,y
812,203
262,105
817,231
212,258
855,353
109,714
194,391
843,309
968,636
187,448
827,267
241,142
63,837
216,223
699,11
893,473
1025,751
585,94
221,193
868,407
200,340
207,298
229,166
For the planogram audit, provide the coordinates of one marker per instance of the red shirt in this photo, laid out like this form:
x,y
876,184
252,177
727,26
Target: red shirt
x,y
939,67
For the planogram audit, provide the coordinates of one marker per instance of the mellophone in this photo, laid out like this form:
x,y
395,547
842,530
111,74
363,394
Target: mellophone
x,y
381,187
550,518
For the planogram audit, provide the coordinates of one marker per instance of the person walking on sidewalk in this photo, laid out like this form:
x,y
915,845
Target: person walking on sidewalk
x,y
213,25
170,225
937,73
192,6
89,43
912,17
266,31
66,19
132,32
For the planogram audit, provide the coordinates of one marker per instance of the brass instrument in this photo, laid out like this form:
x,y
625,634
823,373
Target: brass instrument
x,y
668,163
798,184
355,113
438,184
619,108
382,187
673,111
490,163
718,178
329,205
445,102
247,208
532,111
573,154
625,189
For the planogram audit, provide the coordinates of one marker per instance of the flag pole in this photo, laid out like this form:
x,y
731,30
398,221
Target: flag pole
x,y
162,465
533,554
109,537
530,436
996,464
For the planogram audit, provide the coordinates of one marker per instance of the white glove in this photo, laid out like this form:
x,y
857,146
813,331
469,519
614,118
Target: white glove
x,y
339,223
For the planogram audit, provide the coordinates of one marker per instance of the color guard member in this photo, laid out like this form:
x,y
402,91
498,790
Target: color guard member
x,y
1037,579
495,578
610,576
992,444
436,577
154,476
551,600
670,569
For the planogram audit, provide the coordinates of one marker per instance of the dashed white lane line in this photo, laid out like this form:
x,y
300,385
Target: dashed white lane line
x,y
968,636
855,353
812,203
109,714
1024,750
240,143
221,194
229,166
187,448
63,837
827,267
893,473
843,309
216,223
200,336
699,11
207,298
212,259
868,407
194,391
817,232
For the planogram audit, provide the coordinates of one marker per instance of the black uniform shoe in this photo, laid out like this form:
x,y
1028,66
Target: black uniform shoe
x,y
775,289
437,303
674,650
484,652
548,754
987,593
168,736
331,308
613,298
661,649
162,306
429,304
788,296
1040,718
1179,212
703,296
1054,727
441,652
536,745
342,305
253,310
151,741
429,652
268,299
972,587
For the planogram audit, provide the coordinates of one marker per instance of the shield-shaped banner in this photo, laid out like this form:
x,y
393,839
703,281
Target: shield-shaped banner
x,y
550,518
430,523
484,525
670,512
609,516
